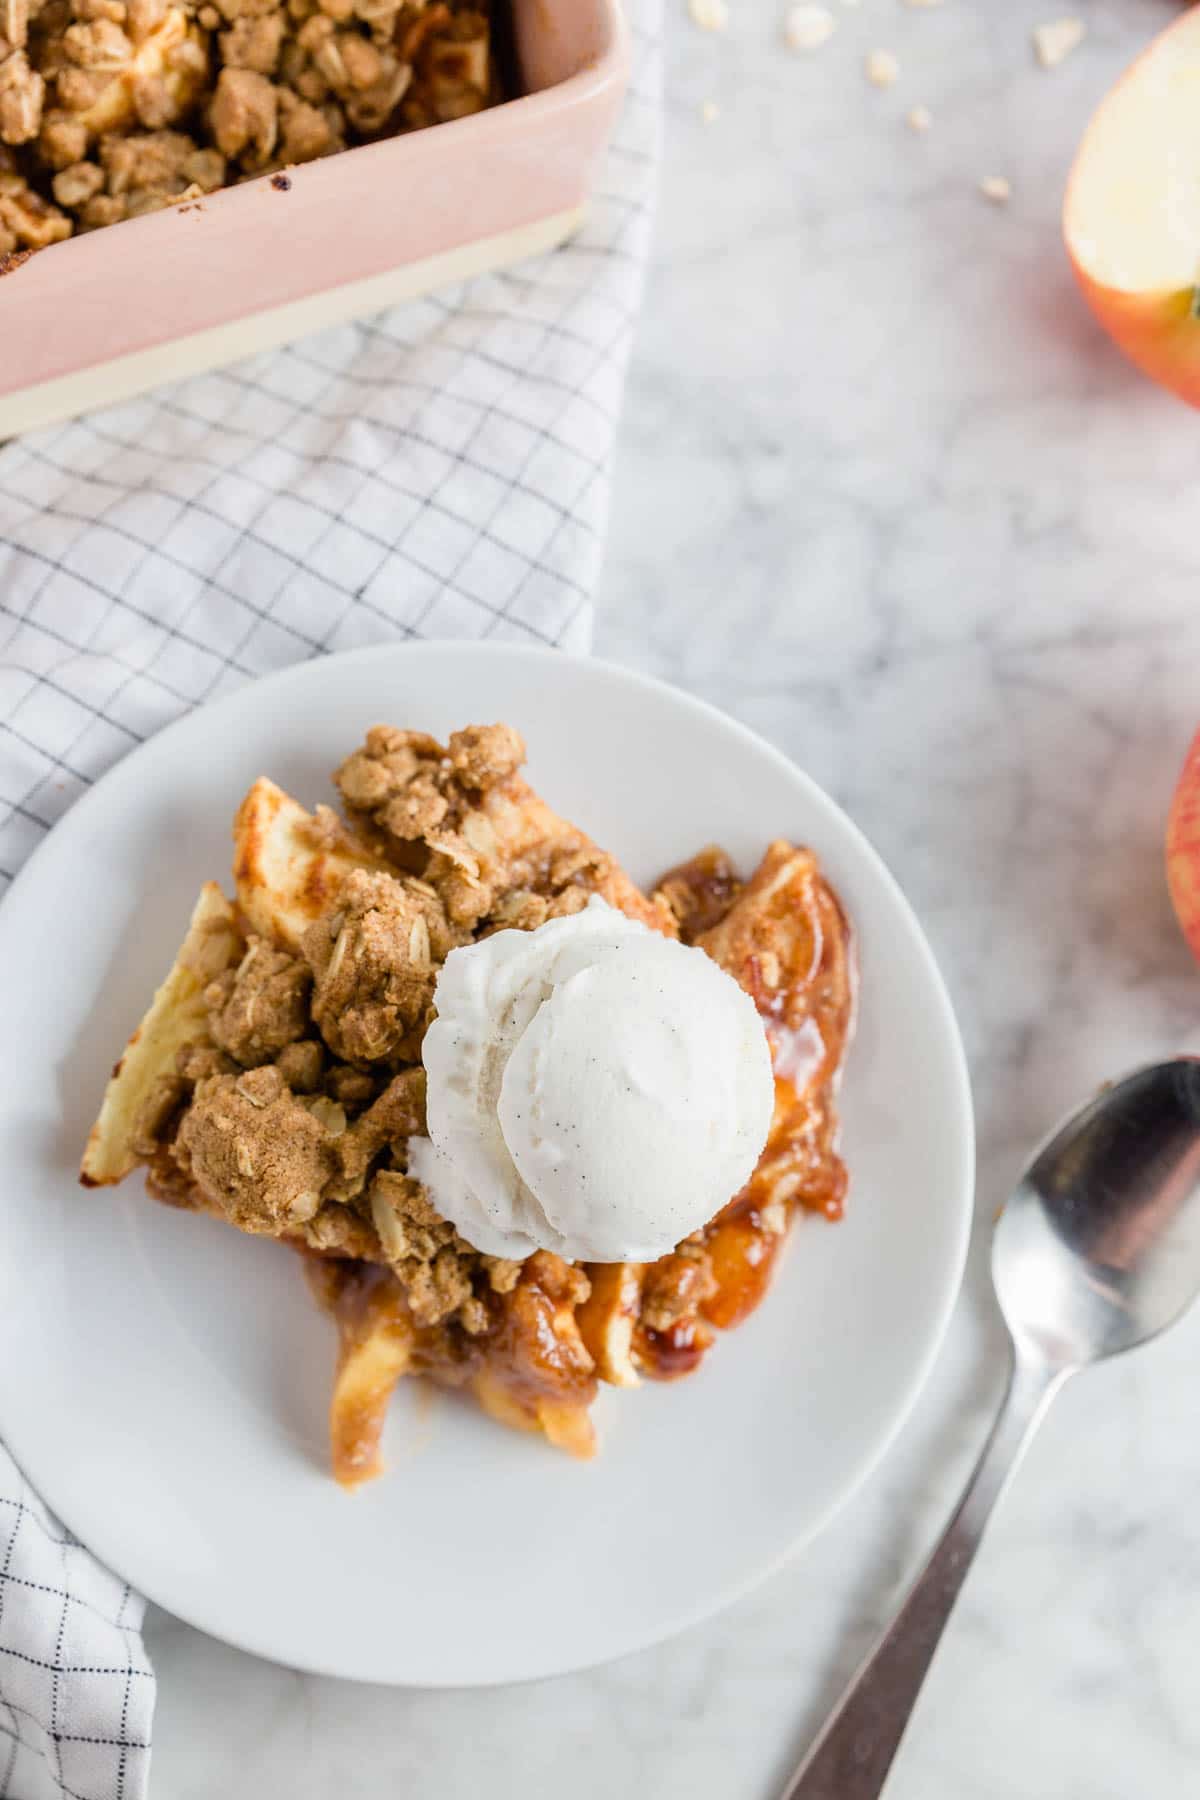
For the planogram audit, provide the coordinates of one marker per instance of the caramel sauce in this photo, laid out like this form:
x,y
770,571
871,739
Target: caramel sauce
x,y
666,1355
808,1012
534,1345
743,1256
700,892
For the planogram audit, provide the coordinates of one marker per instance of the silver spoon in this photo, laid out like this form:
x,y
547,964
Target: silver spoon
x,y
1097,1251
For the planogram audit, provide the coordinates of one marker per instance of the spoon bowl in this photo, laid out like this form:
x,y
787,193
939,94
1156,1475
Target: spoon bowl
x,y
1098,1249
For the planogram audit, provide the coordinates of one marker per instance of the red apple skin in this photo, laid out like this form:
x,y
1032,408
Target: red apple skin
x,y
1183,848
1158,332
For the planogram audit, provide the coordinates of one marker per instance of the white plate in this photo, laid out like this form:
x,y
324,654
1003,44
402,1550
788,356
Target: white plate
x,y
165,1380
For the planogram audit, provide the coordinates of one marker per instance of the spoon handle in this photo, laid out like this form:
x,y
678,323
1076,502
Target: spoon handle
x,y
851,1758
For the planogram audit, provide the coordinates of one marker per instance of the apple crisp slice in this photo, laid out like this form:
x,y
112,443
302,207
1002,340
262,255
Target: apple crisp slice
x,y
276,1080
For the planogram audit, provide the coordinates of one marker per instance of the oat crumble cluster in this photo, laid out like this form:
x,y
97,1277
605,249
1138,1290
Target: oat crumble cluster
x,y
114,108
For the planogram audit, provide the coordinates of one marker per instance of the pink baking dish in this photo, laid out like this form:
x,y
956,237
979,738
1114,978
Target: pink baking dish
x,y
114,312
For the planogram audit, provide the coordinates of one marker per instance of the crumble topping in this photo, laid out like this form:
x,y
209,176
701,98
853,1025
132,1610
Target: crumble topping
x,y
464,820
261,1007
22,93
196,1061
677,1286
27,222
113,108
302,1064
482,755
389,1121
383,767
431,1260
442,1276
341,1231
353,1087
257,1150
374,964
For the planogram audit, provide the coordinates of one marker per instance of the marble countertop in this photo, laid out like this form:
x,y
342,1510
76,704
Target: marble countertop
x,y
887,495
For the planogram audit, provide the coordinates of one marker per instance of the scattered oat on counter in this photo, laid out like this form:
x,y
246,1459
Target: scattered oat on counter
x,y
919,119
997,189
710,112
882,69
709,15
808,27
1054,41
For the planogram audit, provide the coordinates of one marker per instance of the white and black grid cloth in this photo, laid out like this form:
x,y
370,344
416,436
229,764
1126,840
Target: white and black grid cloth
x,y
440,471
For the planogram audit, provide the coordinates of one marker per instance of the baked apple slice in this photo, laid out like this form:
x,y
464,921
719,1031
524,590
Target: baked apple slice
x,y
177,1016
289,865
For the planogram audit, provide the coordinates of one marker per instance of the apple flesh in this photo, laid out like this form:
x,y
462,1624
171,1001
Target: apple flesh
x,y
1131,218
1183,848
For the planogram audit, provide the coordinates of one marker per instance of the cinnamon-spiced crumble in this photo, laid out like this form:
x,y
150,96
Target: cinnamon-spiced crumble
x,y
114,108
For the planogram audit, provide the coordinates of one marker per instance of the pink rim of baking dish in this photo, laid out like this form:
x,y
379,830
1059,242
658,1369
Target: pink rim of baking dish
x,y
116,311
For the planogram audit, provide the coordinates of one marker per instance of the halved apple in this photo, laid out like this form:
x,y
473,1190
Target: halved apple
x,y
1183,847
1131,218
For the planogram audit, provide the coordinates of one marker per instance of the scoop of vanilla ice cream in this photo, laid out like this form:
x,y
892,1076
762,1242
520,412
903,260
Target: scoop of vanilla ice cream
x,y
594,1089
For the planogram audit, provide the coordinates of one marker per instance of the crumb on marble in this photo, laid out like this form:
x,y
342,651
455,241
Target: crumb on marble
x,y
919,119
996,188
1054,41
807,27
709,15
882,68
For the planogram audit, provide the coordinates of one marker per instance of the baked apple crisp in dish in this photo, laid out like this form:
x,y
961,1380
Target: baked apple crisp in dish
x,y
529,1128
110,109
270,167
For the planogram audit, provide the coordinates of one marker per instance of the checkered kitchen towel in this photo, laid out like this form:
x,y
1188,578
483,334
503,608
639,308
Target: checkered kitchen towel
x,y
439,471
